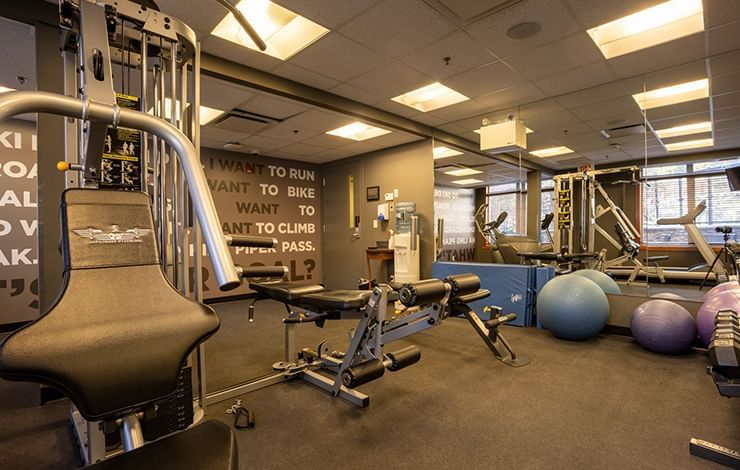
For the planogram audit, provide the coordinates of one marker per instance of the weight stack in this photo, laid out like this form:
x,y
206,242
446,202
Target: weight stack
x,y
175,412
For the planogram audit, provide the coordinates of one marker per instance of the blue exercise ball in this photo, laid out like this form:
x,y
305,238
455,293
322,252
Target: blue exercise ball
x,y
572,307
663,327
607,284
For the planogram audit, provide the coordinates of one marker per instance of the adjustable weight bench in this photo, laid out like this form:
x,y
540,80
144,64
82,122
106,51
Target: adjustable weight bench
x,y
118,334
426,304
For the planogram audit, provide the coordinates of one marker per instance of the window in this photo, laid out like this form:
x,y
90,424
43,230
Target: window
x,y
674,190
508,198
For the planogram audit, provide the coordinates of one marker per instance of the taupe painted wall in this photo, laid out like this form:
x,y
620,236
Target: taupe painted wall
x,y
408,168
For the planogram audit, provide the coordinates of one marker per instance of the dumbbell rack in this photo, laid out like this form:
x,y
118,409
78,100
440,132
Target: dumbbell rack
x,y
724,355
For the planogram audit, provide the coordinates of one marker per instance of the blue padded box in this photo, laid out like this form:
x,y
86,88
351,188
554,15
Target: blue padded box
x,y
509,285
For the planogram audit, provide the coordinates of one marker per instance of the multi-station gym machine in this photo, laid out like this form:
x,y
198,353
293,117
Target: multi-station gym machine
x,y
132,100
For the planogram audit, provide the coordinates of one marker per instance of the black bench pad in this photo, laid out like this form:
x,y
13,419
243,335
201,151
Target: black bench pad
x,y
652,259
337,300
286,292
210,445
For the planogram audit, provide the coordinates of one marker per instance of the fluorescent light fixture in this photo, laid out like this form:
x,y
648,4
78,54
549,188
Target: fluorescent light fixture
x,y
358,131
207,114
689,144
529,131
687,91
467,181
4,89
551,152
649,27
285,33
687,129
444,152
430,97
463,172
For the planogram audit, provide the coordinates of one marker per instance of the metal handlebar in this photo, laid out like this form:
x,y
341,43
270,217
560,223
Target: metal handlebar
x,y
21,102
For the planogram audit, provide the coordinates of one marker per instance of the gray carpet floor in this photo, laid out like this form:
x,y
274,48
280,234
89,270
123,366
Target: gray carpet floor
x,y
602,403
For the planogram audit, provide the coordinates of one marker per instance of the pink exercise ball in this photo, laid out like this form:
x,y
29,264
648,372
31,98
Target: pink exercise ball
x,y
724,287
705,316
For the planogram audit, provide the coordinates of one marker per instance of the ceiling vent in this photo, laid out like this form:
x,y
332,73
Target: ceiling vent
x,y
245,122
623,131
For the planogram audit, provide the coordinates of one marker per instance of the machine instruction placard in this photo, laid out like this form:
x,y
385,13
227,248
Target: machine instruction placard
x,y
121,163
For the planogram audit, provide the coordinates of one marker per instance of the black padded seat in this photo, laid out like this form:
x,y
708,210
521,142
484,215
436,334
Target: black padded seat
x,y
119,332
286,292
210,445
334,300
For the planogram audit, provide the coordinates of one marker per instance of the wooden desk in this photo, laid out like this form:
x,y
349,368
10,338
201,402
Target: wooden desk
x,y
379,254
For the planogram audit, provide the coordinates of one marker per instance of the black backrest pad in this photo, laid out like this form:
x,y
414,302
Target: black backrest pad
x,y
119,331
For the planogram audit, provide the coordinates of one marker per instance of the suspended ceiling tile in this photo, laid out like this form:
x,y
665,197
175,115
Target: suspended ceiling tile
x,y
326,141
556,23
300,148
578,79
221,135
689,49
337,57
733,123
287,132
725,63
680,109
718,12
354,93
485,79
211,144
727,100
617,106
549,119
305,76
328,13
597,94
221,95
468,9
272,106
592,13
239,54
725,83
317,120
397,27
391,79
464,52
259,142
360,147
573,129
726,113
723,38
556,57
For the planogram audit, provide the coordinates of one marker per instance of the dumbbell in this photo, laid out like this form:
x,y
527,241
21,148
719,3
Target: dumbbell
x,y
724,350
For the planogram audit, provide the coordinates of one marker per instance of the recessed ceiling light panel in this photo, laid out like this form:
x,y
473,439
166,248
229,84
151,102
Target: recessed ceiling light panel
x,y
4,89
680,93
687,129
358,131
207,114
444,152
689,144
463,172
430,97
467,181
551,152
285,33
649,27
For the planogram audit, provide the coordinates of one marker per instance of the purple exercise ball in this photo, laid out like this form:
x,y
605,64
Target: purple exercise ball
x,y
668,296
729,299
719,288
663,327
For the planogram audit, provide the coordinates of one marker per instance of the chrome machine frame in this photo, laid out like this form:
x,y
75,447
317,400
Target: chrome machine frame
x,y
97,36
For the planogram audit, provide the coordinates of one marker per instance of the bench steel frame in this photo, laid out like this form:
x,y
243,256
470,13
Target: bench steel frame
x,y
376,328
